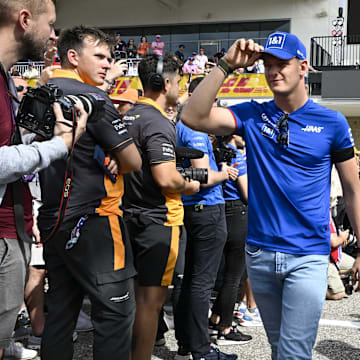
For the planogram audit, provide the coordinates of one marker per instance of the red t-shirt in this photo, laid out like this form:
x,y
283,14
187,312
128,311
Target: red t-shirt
x,y
7,219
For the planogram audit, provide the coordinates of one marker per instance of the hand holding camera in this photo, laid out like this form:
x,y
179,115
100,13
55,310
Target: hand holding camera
x,y
63,127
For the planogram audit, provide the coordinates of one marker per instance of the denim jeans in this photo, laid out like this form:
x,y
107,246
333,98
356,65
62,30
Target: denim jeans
x,y
289,291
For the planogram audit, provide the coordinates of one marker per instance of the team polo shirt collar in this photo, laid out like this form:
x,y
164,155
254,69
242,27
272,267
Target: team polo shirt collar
x,y
297,111
68,74
151,102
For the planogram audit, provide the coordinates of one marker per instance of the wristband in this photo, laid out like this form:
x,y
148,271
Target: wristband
x,y
182,187
224,67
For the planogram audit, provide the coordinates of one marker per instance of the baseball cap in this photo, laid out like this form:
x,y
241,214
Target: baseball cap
x,y
190,58
30,64
284,46
194,53
130,95
158,36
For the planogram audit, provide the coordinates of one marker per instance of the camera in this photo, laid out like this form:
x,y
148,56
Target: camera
x,y
346,279
183,154
36,112
222,152
201,175
120,55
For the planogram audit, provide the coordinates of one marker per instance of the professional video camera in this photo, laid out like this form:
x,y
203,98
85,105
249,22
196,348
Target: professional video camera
x,y
36,112
182,154
223,153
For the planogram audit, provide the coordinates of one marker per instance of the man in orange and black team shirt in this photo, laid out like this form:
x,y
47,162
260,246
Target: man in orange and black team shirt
x,y
91,253
153,209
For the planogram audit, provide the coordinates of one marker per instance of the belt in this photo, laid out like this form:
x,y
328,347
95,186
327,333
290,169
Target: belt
x,y
234,203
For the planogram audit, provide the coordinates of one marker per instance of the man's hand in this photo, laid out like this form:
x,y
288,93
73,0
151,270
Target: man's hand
x,y
243,53
232,172
113,167
191,187
356,273
118,69
63,128
47,73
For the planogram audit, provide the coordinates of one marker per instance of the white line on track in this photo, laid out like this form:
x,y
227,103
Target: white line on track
x,y
340,323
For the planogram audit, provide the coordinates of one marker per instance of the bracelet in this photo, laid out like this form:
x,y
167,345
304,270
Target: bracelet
x,y
224,67
182,188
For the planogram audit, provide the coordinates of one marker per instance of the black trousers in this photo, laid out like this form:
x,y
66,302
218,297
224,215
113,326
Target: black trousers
x,y
234,261
206,236
90,267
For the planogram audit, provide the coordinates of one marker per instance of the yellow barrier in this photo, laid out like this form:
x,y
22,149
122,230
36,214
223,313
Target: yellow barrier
x,y
244,85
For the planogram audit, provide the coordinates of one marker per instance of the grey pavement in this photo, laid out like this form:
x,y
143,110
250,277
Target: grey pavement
x,y
338,338
335,341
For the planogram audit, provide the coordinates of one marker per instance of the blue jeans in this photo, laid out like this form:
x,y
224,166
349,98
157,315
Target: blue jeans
x,y
289,291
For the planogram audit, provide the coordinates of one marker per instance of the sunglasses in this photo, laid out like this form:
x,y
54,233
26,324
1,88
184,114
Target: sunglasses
x,y
283,126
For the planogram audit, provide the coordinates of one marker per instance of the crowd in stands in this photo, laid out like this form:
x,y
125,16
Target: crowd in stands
x,y
196,63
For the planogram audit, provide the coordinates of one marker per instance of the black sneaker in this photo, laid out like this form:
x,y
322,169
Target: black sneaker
x,y
183,354
234,337
213,328
216,354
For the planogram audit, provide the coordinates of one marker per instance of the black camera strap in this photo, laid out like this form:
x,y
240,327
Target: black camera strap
x,y
67,185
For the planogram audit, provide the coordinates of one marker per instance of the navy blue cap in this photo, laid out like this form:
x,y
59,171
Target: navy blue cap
x,y
284,46
191,58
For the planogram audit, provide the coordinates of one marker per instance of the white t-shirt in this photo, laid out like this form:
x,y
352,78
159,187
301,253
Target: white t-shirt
x,y
200,61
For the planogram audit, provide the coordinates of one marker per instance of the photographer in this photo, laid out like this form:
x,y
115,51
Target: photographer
x,y
152,204
90,252
25,27
204,219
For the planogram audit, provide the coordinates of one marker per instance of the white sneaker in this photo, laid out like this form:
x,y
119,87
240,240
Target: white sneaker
x,y
251,318
240,311
15,351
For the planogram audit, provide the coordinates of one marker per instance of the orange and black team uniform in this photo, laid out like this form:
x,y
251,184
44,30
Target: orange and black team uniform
x,y
154,217
91,254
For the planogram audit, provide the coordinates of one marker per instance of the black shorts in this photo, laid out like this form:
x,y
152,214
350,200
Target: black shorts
x,y
156,251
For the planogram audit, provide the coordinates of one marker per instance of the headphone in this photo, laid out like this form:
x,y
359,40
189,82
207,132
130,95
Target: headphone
x,y
156,80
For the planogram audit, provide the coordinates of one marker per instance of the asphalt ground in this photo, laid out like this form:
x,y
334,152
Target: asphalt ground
x,y
338,337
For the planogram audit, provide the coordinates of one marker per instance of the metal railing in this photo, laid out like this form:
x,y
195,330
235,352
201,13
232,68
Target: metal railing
x,y
336,52
39,65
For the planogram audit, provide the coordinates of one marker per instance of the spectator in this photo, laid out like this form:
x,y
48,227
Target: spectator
x,y
287,253
127,100
24,28
155,227
219,55
190,67
31,72
51,56
120,44
131,49
201,60
180,53
143,47
208,67
15,72
340,263
92,212
157,46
